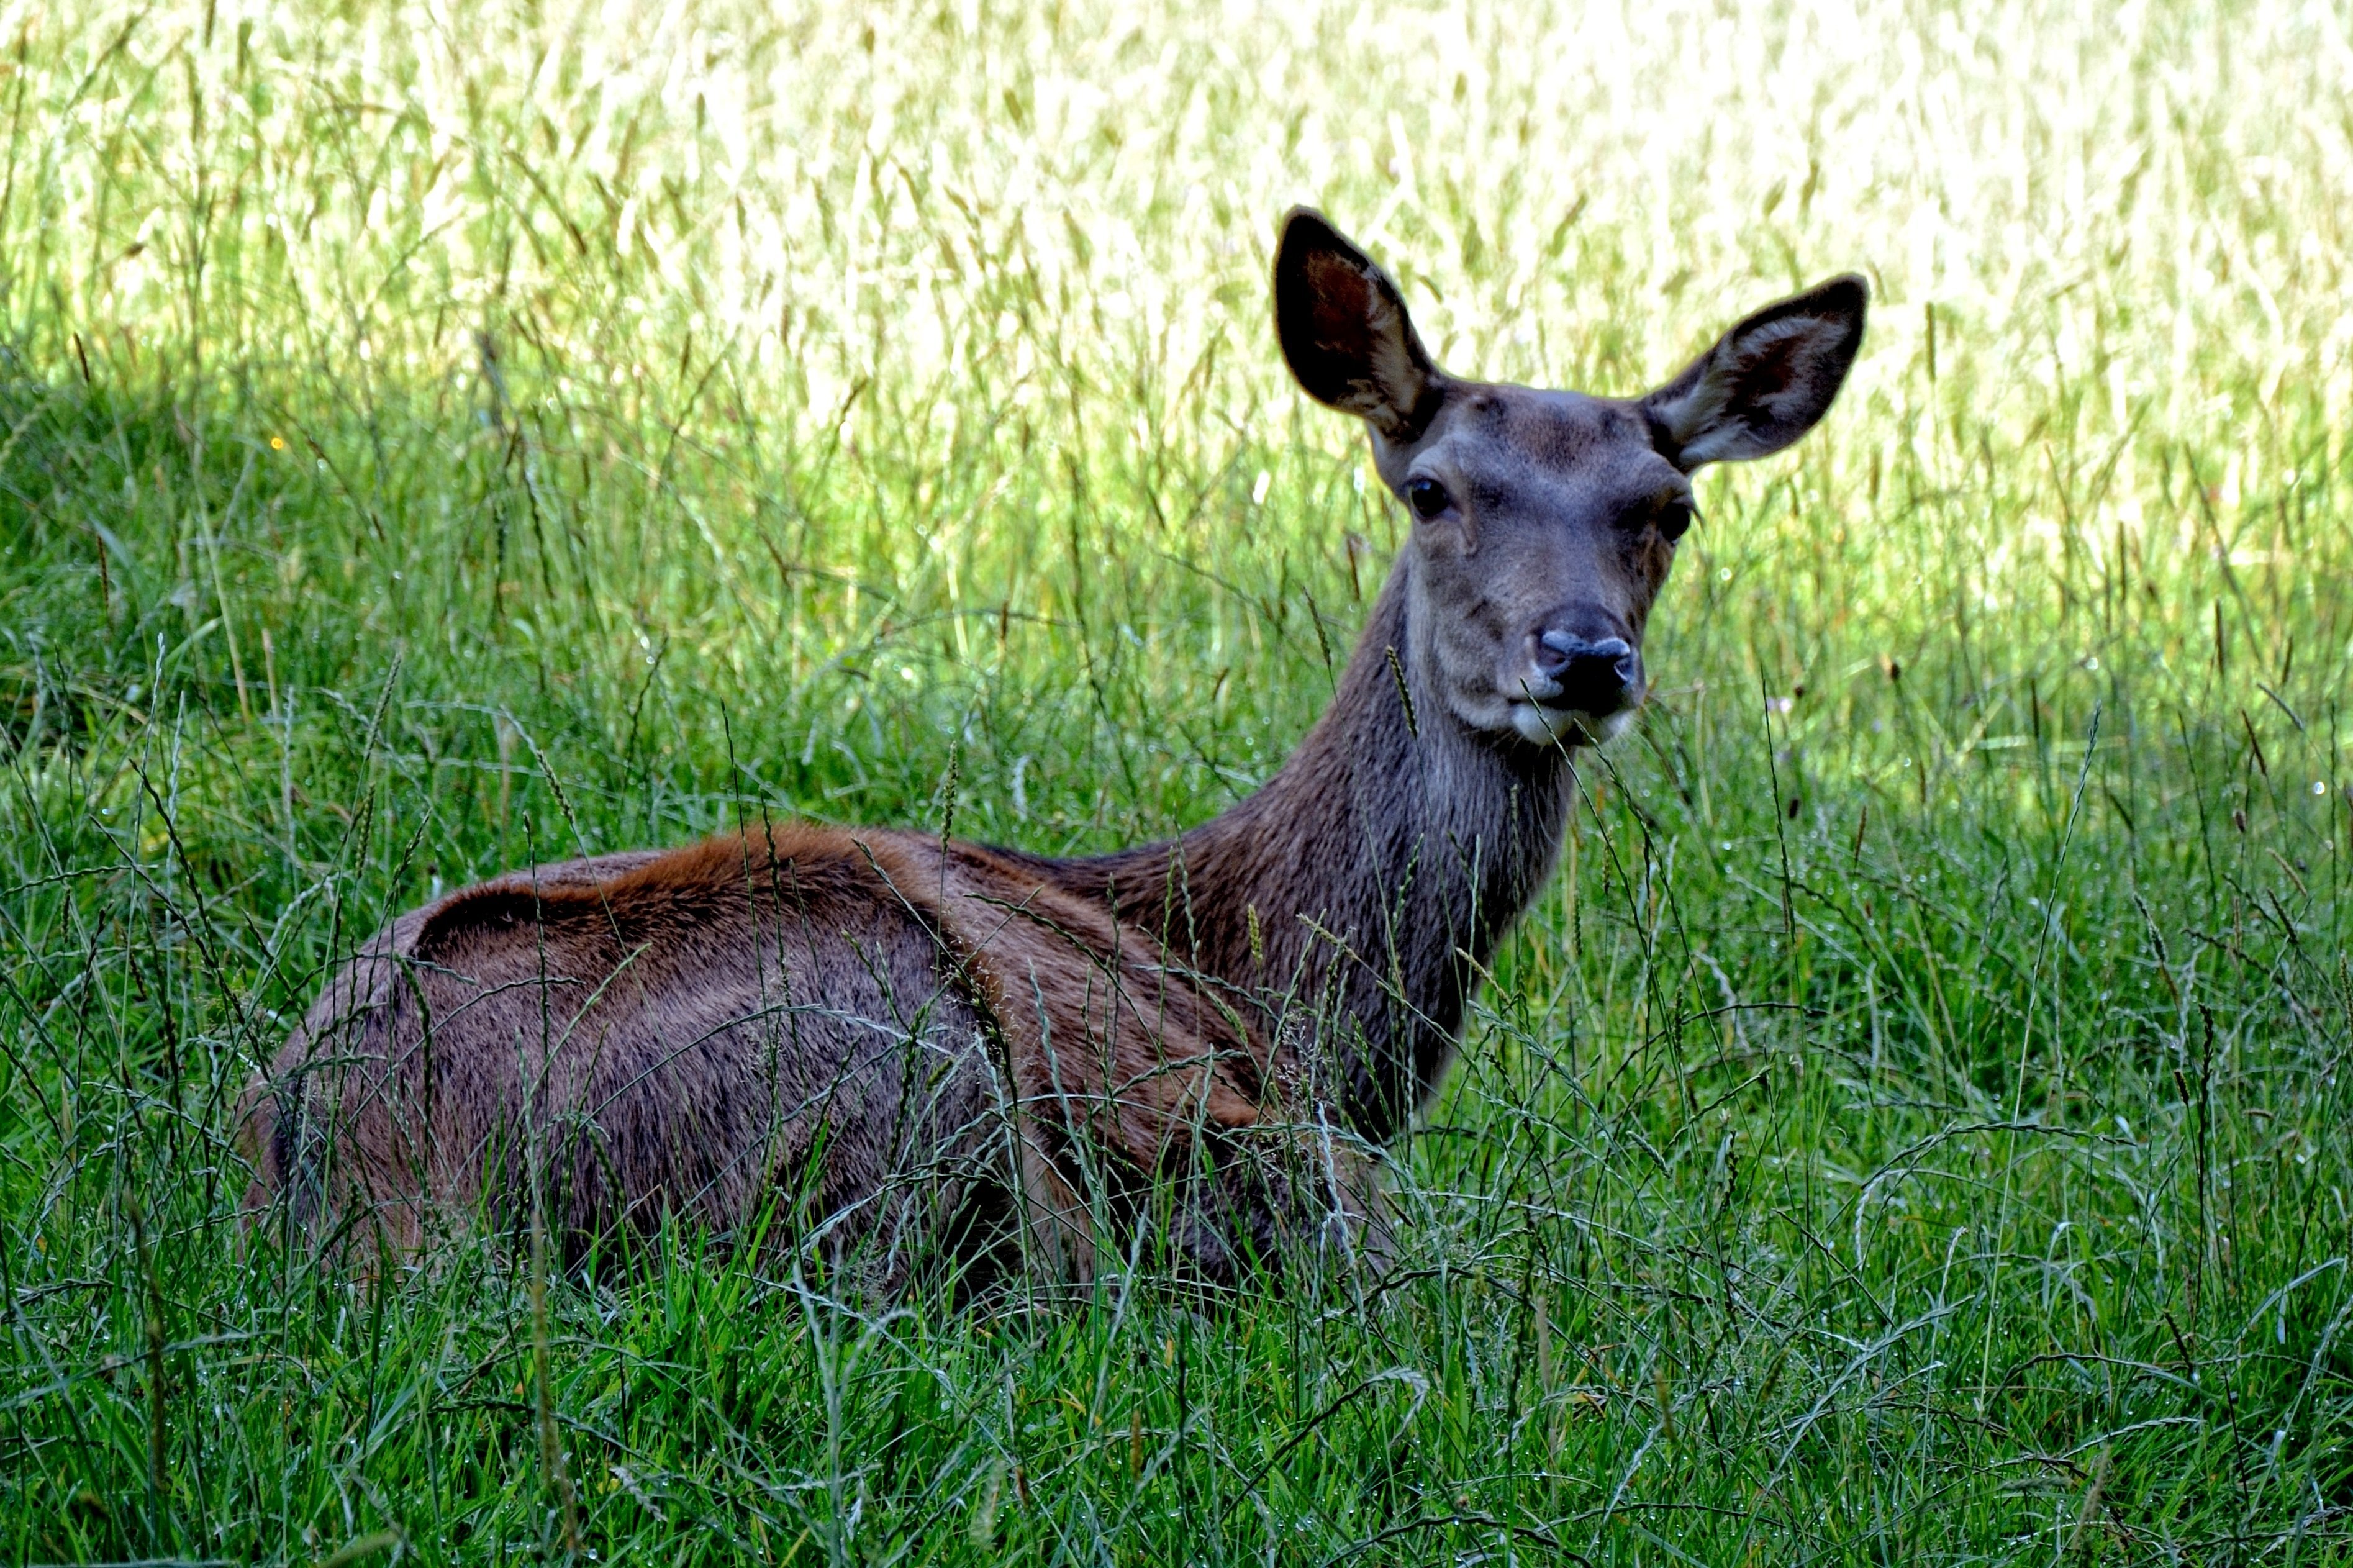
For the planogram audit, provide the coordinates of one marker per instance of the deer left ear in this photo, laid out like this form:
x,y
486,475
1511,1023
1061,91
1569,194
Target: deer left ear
x,y
1765,382
1346,332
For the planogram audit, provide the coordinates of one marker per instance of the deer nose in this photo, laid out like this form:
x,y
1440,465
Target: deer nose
x,y
1593,676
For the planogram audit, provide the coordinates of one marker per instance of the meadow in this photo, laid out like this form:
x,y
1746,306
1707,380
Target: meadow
x,y
437,435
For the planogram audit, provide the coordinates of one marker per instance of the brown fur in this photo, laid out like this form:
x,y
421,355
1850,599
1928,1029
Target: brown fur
x,y
886,1046
648,1036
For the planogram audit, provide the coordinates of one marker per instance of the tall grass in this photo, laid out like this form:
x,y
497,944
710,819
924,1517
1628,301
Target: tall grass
x,y
435,436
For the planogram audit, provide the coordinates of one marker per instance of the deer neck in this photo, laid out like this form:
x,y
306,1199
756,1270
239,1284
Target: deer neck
x,y
1355,898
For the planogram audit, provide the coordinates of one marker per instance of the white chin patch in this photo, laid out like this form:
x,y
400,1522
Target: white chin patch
x,y
1565,726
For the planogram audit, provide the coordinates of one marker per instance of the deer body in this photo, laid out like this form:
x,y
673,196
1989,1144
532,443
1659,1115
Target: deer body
x,y
896,1047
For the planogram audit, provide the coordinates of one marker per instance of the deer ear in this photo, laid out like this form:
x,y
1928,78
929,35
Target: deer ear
x,y
1766,381
1346,332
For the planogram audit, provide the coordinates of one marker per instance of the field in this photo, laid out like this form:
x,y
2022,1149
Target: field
x,y
1911,1128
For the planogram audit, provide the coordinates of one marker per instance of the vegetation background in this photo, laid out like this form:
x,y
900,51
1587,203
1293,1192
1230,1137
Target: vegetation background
x,y
438,435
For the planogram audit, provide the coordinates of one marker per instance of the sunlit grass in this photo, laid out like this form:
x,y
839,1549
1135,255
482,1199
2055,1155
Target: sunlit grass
x,y
1912,1129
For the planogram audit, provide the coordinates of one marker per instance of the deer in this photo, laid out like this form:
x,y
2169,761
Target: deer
x,y
886,1047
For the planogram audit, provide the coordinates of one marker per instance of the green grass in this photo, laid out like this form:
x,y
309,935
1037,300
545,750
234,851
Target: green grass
x,y
1913,1126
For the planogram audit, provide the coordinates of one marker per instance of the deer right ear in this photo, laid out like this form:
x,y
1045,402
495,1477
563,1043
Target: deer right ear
x,y
1765,382
1346,332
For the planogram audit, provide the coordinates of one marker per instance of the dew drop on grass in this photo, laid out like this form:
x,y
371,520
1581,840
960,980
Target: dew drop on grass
x,y
2320,786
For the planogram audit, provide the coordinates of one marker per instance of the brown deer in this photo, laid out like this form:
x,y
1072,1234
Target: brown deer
x,y
890,1047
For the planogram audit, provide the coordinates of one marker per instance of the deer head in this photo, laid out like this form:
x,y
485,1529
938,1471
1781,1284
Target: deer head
x,y
1544,522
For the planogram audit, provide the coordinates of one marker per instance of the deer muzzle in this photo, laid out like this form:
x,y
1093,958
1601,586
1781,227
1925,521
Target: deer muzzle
x,y
1577,689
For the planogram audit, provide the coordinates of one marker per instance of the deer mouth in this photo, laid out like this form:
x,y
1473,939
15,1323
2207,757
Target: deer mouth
x,y
1543,724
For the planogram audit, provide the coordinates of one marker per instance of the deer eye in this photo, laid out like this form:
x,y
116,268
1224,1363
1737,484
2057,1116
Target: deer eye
x,y
1675,518
1427,497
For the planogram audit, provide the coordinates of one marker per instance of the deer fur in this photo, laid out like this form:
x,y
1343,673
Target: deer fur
x,y
886,1048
